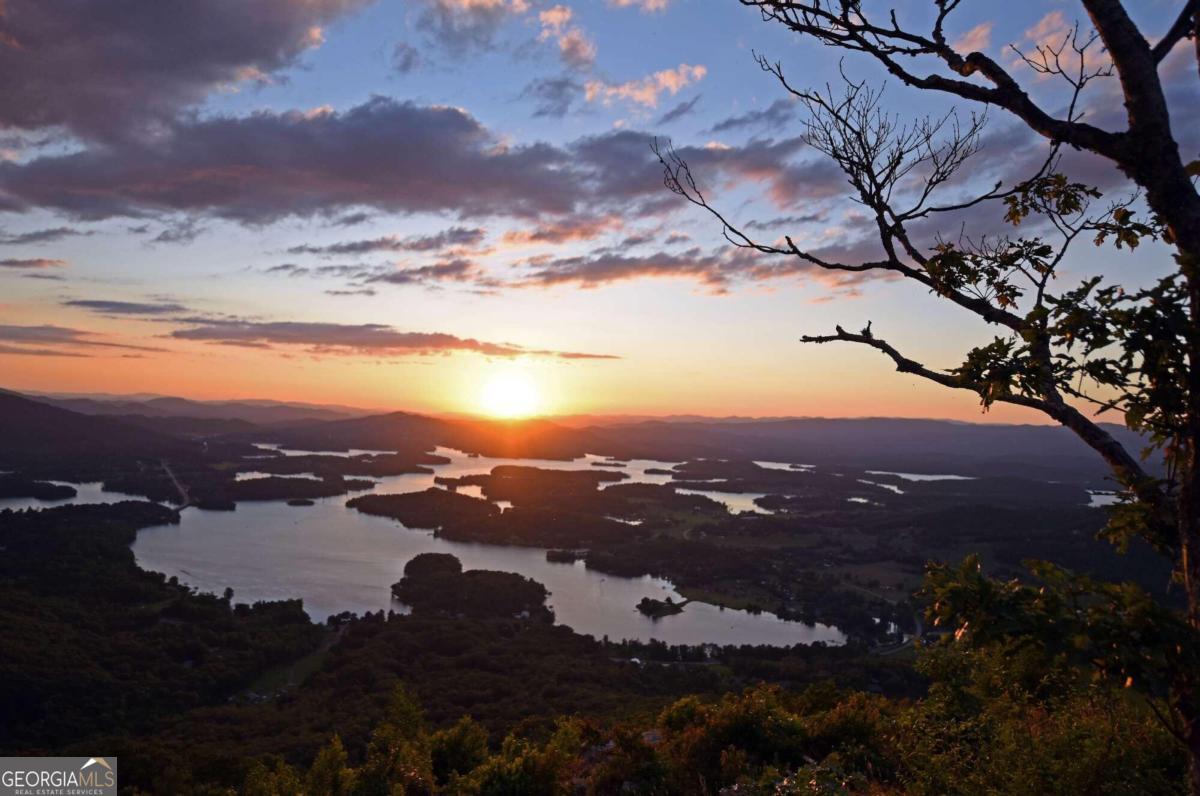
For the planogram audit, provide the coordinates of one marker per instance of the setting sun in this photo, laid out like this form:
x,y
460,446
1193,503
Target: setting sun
x,y
510,395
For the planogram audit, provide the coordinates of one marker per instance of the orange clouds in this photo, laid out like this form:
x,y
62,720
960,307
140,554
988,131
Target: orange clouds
x,y
647,90
976,39
646,6
35,263
565,230
574,46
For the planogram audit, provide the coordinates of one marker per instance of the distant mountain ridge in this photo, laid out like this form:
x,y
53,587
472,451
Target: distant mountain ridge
x,y
889,444
35,434
252,411
893,444
899,445
577,421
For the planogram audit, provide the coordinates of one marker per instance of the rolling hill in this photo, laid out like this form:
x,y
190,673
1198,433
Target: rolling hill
x,y
35,434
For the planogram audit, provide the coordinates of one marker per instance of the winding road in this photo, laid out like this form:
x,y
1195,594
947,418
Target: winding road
x,y
183,492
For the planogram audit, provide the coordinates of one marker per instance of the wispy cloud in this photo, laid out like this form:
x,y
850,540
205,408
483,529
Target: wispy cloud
x,y
459,26
105,307
646,91
718,271
976,39
455,236
368,339
32,263
647,6
37,352
595,271
574,46
784,221
405,58
459,269
64,337
361,291
554,95
37,236
679,111
776,115
563,230
181,231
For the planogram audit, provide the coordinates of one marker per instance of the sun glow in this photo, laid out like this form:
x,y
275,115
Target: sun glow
x,y
510,395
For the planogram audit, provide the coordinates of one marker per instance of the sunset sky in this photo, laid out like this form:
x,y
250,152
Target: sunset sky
x,y
394,204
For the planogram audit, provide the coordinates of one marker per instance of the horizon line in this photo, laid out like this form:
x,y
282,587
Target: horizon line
x,y
613,416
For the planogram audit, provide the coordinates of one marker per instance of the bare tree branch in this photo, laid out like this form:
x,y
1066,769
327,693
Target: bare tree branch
x,y
876,153
1183,27
842,23
1125,466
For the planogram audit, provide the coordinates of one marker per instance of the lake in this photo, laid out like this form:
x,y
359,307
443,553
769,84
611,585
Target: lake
x,y
337,559
84,493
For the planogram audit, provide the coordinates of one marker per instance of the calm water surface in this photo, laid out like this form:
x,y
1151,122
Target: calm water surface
x,y
85,493
337,559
